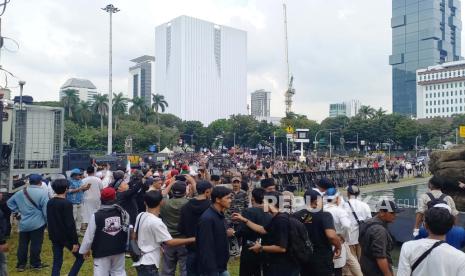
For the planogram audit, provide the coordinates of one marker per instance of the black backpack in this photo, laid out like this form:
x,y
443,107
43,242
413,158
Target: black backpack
x,y
433,201
299,246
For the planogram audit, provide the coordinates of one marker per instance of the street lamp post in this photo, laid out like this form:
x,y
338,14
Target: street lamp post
x,y
416,145
111,10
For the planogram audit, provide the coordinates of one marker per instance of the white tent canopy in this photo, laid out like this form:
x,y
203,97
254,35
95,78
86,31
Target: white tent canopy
x,y
166,151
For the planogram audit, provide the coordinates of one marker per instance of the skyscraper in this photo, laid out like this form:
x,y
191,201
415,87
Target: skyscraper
x,y
201,69
260,103
140,78
424,33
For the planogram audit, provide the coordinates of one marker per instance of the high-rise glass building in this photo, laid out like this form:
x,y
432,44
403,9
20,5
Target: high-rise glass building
x,y
140,78
424,33
201,69
260,103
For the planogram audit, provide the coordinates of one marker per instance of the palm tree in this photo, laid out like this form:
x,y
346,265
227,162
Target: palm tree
x,y
120,105
159,103
138,108
100,106
366,112
378,114
70,99
83,113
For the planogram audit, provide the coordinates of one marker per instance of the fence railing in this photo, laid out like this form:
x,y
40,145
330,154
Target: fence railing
x,y
302,181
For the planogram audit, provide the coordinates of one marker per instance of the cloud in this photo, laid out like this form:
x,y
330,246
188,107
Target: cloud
x,y
338,50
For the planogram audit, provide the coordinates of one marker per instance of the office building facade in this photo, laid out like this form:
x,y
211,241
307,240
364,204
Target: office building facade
x,y
348,108
424,33
201,69
85,89
441,90
140,78
260,103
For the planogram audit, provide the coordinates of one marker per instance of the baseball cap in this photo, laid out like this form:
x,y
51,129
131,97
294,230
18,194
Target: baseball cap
x,y
311,194
353,189
331,193
236,179
76,171
179,188
386,205
35,178
325,183
108,194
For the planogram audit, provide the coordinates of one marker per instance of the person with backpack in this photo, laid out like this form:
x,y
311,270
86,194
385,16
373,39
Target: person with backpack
x,y
282,237
322,234
432,256
376,241
431,198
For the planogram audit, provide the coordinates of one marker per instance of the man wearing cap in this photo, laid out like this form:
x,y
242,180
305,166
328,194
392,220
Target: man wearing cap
x,y
107,236
31,204
432,255
170,214
268,184
376,241
358,212
75,194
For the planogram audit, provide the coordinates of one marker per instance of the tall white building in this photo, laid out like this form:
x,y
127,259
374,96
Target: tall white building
x,y
441,90
140,78
85,89
201,69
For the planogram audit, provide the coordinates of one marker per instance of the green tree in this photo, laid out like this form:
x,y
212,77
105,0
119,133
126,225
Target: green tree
x,y
120,105
158,103
69,100
138,108
378,114
366,112
83,113
100,107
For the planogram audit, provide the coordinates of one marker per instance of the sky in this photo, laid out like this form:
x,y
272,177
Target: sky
x,y
338,49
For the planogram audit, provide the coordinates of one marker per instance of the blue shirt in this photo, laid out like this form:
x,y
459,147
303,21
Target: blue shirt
x,y
455,237
32,218
75,198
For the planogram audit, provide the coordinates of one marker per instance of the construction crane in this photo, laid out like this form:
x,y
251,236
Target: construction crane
x,y
290,79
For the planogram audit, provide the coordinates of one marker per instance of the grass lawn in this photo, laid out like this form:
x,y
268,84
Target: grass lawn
x,y
87,268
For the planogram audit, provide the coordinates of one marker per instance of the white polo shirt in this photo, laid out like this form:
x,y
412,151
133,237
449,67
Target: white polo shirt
x,y
152,233
363,213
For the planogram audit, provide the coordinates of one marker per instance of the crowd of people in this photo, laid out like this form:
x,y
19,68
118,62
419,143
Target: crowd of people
x,y
184,217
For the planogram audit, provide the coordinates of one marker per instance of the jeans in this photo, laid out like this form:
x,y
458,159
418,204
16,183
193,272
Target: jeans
x,y
172,255
35,238
147,270
58,260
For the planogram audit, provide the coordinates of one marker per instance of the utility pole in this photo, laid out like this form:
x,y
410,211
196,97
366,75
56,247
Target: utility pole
x,y
274,145
111,10
234,140
330,146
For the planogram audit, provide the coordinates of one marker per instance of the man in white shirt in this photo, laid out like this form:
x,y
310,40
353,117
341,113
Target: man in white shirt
x,y
443,259
358,211
91,197
152,232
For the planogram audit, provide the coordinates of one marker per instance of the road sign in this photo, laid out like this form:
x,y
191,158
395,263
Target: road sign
x,y
290,130
289,136
462,131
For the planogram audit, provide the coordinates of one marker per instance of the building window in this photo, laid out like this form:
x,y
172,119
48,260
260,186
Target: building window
x,y
456,109
427,111
447,94
447,101
217,36
426,103
460,100
447,109
443,109
460,109
456,101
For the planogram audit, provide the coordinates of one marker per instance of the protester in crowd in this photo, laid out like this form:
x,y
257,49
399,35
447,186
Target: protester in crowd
x,y
91,197
279,261
62,228
189,218
376,242
432,255
107,236
358,212
152,233
322,185
31,204
251,263
268,184
215,180
342,224
170,214
3,243
322,233
126,194
433,197
212,235
75,193
455,237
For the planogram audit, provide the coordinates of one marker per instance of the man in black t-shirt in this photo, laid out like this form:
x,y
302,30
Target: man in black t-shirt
x,y
321,231
278,261
250,262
